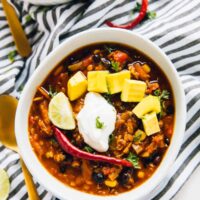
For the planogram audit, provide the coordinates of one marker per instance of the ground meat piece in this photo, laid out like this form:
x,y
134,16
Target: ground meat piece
x,y
78,105
45,130
43,106
157,142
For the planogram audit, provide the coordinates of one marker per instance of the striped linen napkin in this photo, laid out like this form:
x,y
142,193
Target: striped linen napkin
x,y
176,30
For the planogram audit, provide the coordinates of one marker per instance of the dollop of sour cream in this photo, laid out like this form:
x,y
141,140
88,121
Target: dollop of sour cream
x,y
96,121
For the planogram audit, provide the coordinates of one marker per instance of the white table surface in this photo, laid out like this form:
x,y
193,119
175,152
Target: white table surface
x,y
191,189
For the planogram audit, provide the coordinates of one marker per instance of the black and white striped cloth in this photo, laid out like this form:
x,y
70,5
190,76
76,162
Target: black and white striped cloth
x,y
176,30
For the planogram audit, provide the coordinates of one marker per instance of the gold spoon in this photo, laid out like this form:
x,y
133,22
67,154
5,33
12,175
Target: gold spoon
x,y
21,41
8,105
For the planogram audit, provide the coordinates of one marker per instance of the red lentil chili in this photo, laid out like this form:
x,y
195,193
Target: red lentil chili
x,y
133,155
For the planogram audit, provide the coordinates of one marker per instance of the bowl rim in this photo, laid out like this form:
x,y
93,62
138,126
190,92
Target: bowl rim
x,y
21,121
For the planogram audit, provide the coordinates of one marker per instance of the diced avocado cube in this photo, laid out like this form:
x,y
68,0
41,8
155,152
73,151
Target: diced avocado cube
x,y
97,81
150,123
148,104
115,81
76,86
133,90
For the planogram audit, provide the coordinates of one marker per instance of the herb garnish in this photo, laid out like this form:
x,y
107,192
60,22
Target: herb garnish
x,y
137,137
115,66
99,124
28,18
164,95
111,138
108,97
88,149
134,160
21,88
149,14
51,92
109,49
11,56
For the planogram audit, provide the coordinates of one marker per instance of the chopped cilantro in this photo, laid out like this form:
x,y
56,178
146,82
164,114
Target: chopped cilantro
x,y
151,14
164,95
111,138
137,137
108,98
115,66
11,56
137,7
109,49
134,160
157,92
88,149
99,124
51,92
28,18
21,88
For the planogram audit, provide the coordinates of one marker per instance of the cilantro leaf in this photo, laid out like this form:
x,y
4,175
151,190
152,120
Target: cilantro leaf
x,y
165,95
109,49
137,137
111,138
88,149
51,92
115,66
11,56
151,14
134,160
157,92
99,124
28,18
137,7
108,98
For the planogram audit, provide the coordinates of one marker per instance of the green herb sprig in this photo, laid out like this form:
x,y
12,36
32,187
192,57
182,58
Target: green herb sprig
x,y
149,14
11,56
99,124
52,93
88,149
134,160
115,66
109,49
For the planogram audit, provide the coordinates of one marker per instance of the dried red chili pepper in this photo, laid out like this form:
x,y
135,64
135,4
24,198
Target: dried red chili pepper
x,y
68,147
136,21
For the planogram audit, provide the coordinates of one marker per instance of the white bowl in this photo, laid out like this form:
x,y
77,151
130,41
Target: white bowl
x,y
85,38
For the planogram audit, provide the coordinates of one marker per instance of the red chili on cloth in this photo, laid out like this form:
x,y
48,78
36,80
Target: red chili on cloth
x,y
175,30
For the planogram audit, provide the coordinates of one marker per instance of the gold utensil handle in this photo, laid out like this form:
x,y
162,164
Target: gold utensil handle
x,y
17,31
32,192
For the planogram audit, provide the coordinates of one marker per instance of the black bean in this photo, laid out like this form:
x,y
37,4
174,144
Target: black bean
x,y
96,58
124,176
62,168
170,110
106,62
98,177
167,141
157,160
151,158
